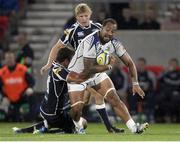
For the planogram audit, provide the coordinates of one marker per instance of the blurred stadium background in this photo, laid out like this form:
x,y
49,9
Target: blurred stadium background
x,y
149,29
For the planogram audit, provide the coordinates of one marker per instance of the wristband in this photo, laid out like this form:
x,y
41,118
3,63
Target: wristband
x,y
135,83
110,67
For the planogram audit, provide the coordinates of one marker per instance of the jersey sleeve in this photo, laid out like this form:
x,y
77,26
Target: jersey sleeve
x,y
60,73
119,48
89,48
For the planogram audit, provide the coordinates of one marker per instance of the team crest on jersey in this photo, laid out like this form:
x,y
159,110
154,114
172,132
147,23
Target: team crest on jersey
x,y
66,32
80,34
57,70
108,48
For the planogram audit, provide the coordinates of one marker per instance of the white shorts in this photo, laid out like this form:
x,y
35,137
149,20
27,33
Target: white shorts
x,y
76,87
99,77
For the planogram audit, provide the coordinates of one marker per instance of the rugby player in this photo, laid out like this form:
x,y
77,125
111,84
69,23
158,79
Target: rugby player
x,y
55,105
84,61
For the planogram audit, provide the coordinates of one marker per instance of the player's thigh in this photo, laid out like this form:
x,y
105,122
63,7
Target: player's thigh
x,y
76,92
104,85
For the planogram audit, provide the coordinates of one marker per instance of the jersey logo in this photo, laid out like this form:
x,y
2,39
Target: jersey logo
x,y
108,48
57,70
80,34
66,32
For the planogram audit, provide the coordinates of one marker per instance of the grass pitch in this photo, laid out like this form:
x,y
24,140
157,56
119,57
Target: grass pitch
x,y
95,132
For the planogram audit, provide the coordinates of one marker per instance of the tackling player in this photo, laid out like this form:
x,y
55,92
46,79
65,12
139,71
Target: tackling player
x,y
74,36
55,105
84,61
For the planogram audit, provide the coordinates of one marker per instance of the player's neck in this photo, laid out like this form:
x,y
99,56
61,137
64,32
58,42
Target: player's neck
x,y
84,26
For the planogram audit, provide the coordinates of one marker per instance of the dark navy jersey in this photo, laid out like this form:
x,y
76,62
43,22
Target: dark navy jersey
x,y
170,81
56,98
76,33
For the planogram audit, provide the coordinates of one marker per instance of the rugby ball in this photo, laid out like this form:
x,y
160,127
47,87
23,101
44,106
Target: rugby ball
x,y
103,58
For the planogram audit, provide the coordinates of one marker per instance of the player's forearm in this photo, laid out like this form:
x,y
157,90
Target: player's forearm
x,y
133,72
132,68
54,52
91,68
88,72
53,55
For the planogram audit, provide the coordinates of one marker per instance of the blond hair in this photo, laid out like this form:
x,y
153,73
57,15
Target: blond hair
x,y
82,8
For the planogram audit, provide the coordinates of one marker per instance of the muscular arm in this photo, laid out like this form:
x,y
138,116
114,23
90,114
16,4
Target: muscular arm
x,y
130,64
133,72
90,68
54,51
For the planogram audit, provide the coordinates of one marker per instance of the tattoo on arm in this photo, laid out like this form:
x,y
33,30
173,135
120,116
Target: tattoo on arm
x,y
88,67
91,67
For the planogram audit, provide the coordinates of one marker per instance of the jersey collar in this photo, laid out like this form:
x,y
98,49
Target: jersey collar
x,y
87,27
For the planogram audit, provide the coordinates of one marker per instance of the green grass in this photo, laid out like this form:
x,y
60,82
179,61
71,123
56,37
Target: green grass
x,y
95,132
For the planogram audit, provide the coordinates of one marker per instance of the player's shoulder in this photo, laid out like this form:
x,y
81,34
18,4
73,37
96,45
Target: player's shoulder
x,y
92,38
59,71
118,46
56,68
71,29
116,41
96,24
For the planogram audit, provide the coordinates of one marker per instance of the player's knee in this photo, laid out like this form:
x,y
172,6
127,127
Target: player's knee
x,y
99,99
113,99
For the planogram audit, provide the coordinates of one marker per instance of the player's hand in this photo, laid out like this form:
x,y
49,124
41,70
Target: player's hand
x,y
44,69
137,89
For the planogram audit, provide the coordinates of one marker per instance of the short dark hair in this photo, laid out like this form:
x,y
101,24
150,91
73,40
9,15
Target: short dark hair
x,y
142,59
109,20
174,60
63,54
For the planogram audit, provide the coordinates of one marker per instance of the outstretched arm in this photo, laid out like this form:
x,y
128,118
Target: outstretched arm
x,y
52,56
133,72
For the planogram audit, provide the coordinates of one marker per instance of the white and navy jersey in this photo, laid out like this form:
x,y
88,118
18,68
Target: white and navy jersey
x,y
76,33
56,99
91,47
